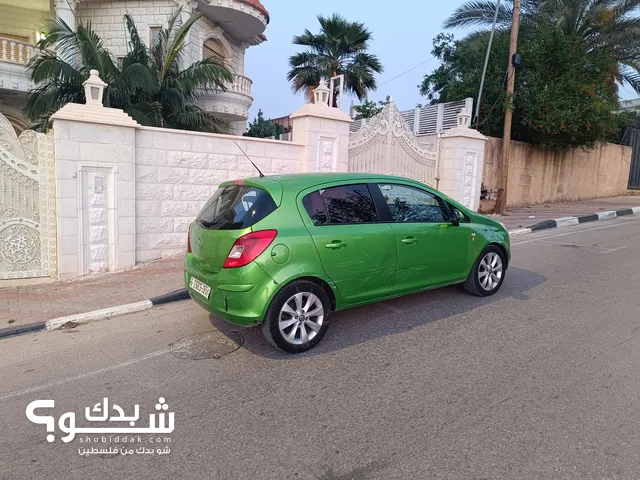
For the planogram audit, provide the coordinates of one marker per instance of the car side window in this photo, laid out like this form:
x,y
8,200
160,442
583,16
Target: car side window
x,y
410,204
342,205
314,205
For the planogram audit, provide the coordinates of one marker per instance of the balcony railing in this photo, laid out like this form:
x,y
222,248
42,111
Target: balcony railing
x,y
240,84
14,51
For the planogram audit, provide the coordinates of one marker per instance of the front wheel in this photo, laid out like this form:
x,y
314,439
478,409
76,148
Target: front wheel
x,y
298,317
487,274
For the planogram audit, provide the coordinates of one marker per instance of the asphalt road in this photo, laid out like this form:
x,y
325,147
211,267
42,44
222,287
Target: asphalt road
x,y
540,381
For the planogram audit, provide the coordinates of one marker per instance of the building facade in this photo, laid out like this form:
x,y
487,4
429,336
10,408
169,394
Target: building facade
x,y
225,31
631,105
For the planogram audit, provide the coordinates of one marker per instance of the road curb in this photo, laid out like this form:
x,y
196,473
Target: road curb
x,y
15,331
99,314
94,315
569,221
174,296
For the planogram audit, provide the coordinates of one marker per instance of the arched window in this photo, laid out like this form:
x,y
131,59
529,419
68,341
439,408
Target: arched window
x,y
214,49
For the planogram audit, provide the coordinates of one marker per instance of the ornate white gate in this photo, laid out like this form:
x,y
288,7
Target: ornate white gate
x,y
386,145
27,204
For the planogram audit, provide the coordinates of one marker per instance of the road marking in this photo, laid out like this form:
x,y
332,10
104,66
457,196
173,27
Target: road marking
x,y
621,224
19,393
615,249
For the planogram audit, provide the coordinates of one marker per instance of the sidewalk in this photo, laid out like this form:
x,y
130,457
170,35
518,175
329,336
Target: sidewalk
x,y
24,305
524,217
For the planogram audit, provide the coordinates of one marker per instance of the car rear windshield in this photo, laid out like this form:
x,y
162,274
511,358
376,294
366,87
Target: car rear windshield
x,y
236,207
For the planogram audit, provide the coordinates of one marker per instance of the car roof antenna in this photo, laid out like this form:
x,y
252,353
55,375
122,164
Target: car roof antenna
x,y
256,167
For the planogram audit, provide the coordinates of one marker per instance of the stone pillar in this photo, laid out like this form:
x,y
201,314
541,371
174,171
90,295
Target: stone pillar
x,y
191,41
325,133
461,162
95,159
66,11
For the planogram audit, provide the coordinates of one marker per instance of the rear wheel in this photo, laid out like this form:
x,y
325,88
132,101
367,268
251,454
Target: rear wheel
x,y
487,274
298,317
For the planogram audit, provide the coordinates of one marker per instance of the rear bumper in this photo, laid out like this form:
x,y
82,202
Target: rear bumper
x,y
238,295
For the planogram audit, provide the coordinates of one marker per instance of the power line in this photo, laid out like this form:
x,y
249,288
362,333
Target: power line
x,y
398,76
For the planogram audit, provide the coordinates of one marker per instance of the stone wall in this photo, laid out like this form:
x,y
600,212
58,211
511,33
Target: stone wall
x,y
177,172
96,222
537,175
127,193
106,18
23,22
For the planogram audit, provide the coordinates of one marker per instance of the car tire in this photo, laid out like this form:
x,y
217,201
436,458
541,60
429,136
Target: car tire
x,y
298,317
488,272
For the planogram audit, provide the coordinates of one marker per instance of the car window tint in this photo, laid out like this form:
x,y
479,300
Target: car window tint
x,y
315,208
236,207
409,204
349,204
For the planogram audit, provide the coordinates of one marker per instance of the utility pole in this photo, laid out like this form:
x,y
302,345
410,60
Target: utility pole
x,y
501,202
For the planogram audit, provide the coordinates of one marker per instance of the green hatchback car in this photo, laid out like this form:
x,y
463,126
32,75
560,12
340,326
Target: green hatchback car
x,y
286,251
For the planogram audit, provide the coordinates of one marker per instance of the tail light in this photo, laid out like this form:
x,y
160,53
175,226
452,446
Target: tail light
x,y
189,241
248,247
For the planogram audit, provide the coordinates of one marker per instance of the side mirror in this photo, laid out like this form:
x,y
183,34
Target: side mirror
x,y
456,217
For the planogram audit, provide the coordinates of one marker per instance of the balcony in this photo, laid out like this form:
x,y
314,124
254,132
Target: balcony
x,y
244,19
231,105
14,56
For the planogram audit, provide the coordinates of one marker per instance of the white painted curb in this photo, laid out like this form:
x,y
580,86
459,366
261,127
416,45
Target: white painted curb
x,y
607,215
99,314
519,231
566,222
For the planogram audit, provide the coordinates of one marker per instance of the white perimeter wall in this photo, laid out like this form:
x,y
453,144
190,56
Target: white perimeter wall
x,y
177,172
127,193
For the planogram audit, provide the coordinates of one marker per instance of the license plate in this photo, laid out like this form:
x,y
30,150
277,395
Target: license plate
x,y
200,287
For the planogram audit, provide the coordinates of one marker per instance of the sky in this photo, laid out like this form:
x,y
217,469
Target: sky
x,y
402,39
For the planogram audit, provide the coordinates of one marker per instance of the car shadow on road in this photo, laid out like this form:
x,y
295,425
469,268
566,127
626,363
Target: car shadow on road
x,y
361,324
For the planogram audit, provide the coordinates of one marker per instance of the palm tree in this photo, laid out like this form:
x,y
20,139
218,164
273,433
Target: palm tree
x,y
339,49
612,26
149,84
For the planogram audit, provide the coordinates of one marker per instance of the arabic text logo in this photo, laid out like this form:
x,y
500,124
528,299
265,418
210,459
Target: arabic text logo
x,y
100,413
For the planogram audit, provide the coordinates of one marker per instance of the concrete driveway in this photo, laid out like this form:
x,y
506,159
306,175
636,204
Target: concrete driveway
x,y
539,381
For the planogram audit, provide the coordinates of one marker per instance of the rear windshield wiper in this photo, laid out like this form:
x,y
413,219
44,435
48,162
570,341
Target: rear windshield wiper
x,y
205,224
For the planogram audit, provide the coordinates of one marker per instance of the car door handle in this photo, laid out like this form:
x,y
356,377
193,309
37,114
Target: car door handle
x,y
336,244
409,241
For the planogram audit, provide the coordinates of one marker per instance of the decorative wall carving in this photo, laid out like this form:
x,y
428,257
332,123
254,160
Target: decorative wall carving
x,y
27,204
469,178
327,153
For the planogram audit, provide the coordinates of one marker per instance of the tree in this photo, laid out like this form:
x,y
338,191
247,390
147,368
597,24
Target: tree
x,y
564,93
149,84
339,49
611,26
369,109
262,128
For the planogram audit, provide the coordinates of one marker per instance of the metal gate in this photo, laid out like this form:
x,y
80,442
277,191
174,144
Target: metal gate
x,y
27,204
385,144
632,139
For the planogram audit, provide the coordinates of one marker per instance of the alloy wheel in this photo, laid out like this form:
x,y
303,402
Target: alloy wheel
x,y
490,271
301,318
